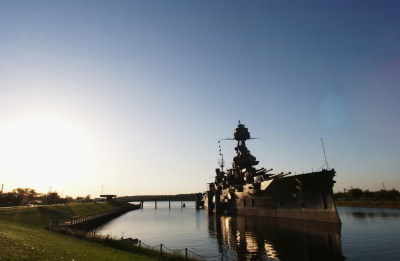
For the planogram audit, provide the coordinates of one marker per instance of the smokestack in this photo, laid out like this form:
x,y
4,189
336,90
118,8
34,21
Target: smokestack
x,y
1,191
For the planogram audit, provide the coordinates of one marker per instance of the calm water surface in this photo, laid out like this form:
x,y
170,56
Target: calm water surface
x,y
366,234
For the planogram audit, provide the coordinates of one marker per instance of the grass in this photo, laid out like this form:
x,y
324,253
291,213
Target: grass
x,y
23,235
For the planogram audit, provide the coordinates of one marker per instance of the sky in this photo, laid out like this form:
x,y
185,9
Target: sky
x,y
131,97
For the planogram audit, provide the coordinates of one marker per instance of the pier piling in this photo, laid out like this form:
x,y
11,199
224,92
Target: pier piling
x,y
196,200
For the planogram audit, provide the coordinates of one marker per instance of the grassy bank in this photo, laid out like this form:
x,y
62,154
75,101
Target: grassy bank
x,y
23,235
368,203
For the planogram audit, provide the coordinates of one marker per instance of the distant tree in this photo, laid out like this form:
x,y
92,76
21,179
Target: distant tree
x,y
20,196
39,196
88,197
9,198
354,193
393,194
80,198
339,195
51,198
368,194
68,199
387,194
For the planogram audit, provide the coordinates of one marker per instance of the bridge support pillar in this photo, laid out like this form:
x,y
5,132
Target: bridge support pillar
x,y
197,200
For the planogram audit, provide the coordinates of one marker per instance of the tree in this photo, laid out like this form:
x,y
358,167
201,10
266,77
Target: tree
x,y
88,197
51,198
20,196
9,198
68,199
393,194
354,193
387,194
368,194
338,195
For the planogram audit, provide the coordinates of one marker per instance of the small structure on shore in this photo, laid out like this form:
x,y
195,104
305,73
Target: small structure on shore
x,y
109,197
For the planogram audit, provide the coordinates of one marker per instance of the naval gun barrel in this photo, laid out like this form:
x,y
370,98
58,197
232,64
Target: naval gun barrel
x,y
262,171
279,175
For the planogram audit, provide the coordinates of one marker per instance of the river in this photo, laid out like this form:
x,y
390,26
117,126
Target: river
x,y
365,234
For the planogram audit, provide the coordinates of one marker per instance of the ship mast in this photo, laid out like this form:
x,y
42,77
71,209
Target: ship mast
x,y
221,164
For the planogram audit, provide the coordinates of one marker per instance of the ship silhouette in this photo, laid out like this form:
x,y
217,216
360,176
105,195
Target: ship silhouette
x,y
245,189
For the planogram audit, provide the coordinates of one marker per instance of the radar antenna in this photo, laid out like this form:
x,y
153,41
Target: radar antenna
x,y
323,148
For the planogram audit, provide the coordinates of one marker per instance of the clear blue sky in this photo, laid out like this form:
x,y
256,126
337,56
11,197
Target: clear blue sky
x,y
134,95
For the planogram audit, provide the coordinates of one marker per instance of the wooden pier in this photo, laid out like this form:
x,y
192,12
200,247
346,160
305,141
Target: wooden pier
x,y
90,219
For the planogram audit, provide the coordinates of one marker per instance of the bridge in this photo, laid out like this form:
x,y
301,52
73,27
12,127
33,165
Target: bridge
x,y
90,220
144,198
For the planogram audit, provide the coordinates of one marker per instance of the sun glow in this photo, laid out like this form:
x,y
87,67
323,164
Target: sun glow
x,y
42,150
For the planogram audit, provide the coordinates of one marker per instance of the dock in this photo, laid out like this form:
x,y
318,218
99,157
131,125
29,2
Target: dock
x,y
90,220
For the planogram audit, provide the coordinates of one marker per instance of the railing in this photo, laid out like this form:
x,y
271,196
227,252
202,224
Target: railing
x,y
73,221
186,253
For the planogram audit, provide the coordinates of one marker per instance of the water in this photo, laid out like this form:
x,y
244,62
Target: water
x,y
365,234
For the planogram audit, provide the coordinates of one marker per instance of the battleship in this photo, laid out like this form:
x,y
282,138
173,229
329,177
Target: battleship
x,y
245,189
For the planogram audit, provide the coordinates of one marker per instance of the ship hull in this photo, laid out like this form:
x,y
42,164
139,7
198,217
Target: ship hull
x,y
306,197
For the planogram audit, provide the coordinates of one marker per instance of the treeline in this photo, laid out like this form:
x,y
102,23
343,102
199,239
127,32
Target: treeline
x,y
24,196
359,194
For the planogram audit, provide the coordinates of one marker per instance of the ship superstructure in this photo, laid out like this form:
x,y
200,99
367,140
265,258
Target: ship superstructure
x,y
245,189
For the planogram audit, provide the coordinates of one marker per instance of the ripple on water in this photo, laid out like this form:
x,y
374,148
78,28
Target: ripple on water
x,y
370,234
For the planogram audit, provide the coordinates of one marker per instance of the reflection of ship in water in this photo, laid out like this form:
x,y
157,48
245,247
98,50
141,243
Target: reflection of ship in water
x,y
261,238
372,213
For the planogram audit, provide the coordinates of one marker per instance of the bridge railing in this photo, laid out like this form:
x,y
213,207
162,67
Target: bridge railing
x,y
73,221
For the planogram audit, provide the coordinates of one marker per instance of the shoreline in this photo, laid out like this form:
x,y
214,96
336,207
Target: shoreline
x,y
369,204
25,234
